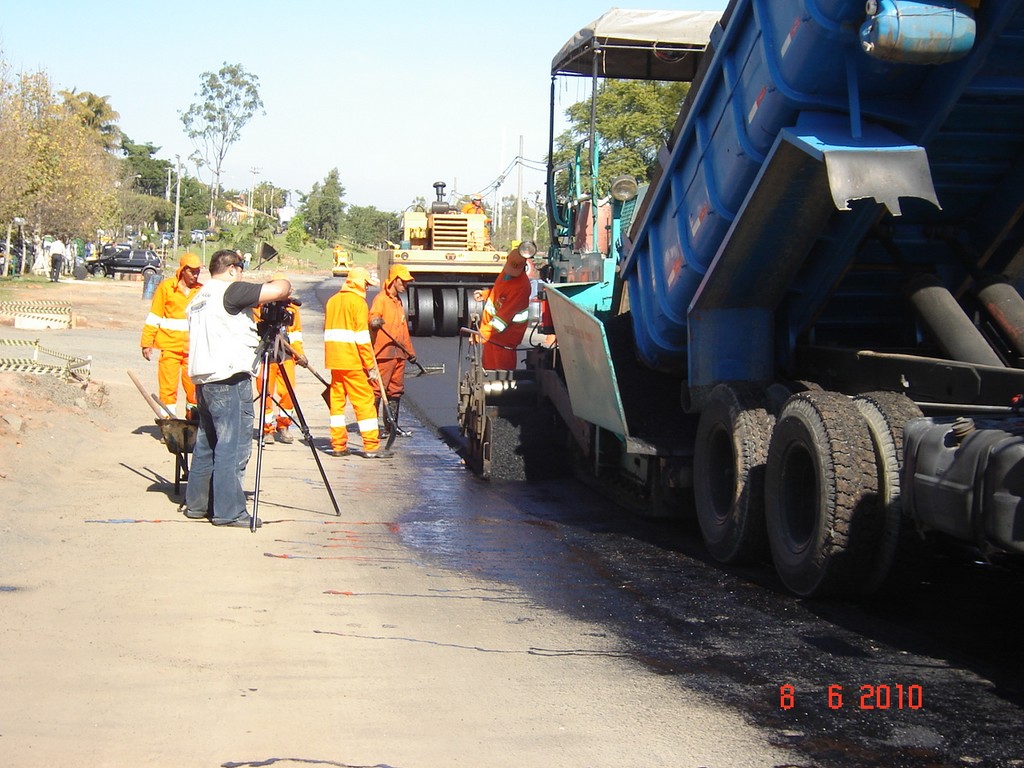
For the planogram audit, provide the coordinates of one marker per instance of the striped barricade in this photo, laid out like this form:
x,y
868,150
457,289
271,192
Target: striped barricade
x,y
71,368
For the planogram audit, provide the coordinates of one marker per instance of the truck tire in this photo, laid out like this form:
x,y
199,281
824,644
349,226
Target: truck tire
x,y
822,496
887,413
730,454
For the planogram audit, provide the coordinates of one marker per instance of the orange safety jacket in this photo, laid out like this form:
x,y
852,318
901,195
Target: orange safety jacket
x,y
470,208
294,331
166,325
395,323
347,344
506,310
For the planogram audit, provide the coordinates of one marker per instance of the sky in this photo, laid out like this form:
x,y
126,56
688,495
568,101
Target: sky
x,y
396,94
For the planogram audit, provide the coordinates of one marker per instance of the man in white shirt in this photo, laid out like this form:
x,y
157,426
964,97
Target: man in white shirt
x,y
222,361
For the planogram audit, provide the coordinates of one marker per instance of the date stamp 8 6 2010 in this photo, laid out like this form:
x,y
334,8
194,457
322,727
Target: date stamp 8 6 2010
x,y
883,696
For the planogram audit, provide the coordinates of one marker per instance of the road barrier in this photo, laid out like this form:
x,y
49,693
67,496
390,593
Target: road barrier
x,y
72,367
38,315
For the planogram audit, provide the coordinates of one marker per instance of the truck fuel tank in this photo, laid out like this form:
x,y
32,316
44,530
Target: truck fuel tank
x,y
915,32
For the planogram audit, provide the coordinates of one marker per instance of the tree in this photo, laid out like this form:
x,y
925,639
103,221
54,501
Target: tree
x,y
268,198
97,115
534,220
142,211
256,230
228,99
367,226
15,184
150,173
53,171
296,234
634,119
322,208
195,198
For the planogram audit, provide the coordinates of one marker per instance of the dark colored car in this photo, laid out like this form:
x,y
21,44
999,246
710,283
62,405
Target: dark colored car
x,y
119,258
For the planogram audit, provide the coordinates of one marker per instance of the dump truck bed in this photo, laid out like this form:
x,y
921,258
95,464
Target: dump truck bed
x,y
808,182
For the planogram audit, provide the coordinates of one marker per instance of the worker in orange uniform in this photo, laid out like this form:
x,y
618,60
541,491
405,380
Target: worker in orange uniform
x,y
276,421
476,205
166,329
506,310
392,347
348,353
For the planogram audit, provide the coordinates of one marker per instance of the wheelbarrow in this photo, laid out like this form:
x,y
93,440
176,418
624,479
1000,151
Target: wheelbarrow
x,y
180,438
179,434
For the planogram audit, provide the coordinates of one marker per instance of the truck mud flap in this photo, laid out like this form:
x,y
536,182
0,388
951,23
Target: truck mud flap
x,y
878,164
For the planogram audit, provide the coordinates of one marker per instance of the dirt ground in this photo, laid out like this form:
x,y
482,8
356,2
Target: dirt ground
x,y
107,319
34,407
107,315
132,636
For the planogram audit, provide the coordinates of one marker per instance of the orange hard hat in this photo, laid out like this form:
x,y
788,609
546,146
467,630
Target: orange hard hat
x,y
188,260
515,258
399,271
361,276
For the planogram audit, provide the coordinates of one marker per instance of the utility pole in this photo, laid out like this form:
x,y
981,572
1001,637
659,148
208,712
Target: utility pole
x,y
177,201
519,194
496,207
167,190
536,215
252,192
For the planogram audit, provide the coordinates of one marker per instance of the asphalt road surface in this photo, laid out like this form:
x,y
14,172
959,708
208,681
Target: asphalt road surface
x,y
930,676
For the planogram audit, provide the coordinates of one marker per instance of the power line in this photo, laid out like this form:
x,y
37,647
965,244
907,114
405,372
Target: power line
x,y
533,165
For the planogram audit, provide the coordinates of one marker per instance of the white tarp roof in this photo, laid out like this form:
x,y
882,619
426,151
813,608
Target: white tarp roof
x,y
643,45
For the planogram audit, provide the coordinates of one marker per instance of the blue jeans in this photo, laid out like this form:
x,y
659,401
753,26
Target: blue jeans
x,y
222,450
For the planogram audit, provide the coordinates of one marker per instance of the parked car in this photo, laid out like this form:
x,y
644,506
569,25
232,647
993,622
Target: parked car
x,y
199,235
121,258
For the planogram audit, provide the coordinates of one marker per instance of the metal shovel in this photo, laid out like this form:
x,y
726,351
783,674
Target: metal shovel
x,y
424,370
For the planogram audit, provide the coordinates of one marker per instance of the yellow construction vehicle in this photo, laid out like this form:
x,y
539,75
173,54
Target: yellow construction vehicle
x,y
450,255
342,262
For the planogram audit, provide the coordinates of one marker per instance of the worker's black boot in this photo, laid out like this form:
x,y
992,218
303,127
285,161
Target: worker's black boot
x,y
395,407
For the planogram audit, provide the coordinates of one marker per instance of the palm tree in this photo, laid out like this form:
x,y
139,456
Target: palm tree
x,y
96,114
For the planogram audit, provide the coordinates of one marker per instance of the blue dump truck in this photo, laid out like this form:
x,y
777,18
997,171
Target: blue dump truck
x,y
808,329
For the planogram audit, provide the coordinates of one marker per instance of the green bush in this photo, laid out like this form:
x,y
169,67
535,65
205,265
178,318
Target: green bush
x,y
296,235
